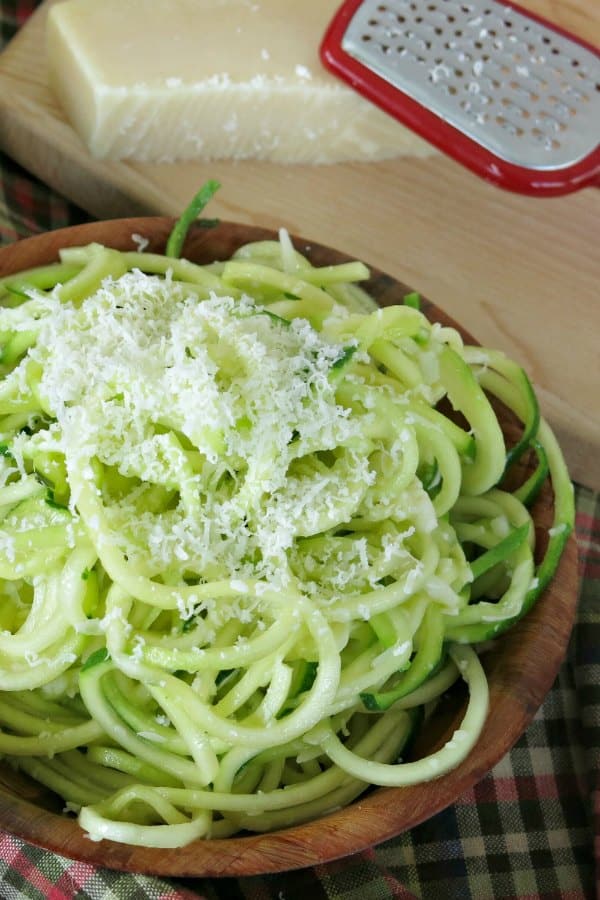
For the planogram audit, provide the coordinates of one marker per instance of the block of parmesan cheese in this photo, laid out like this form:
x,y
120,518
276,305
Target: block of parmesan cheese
x,y
165,80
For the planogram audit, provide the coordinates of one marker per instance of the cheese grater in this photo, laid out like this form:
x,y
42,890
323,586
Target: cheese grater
x,y
512,98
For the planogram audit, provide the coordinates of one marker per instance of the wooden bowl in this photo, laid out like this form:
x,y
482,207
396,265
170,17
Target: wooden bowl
x,y
520,668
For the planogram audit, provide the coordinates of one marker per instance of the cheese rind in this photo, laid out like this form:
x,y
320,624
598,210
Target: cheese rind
x,y
165,80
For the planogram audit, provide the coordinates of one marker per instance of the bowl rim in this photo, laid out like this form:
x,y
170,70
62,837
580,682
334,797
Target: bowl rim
x,y
517,686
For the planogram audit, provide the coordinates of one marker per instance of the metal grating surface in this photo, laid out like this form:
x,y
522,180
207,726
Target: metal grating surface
x,y
517,88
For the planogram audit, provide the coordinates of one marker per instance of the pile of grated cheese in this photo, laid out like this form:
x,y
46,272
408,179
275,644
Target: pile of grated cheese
x,y
216,410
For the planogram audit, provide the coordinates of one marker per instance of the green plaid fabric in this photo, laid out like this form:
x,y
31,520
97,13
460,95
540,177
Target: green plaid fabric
x,y
530,829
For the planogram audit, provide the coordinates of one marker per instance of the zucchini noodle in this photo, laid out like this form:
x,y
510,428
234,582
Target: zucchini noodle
x,y
244,552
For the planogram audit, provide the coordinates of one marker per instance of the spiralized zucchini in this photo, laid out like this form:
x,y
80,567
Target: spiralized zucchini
x,y
243,552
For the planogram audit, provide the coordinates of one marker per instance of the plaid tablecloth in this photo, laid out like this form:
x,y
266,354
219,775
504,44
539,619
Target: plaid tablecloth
x,y
530,829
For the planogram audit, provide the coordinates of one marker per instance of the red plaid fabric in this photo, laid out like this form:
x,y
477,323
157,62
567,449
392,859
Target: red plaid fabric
x,y
530,829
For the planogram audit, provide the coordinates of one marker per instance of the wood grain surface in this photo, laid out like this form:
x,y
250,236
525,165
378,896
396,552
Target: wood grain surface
x,y
521,273
521,667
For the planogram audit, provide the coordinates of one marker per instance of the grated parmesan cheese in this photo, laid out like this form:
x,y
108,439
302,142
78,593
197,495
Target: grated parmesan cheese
x,y
142,362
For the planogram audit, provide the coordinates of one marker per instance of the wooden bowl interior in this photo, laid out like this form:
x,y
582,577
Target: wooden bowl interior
x,y
520,667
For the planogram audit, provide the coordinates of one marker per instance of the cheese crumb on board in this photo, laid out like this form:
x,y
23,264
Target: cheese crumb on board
x,y
167,80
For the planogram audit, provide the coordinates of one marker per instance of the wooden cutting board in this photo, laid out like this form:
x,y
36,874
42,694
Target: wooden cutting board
x,y
521,274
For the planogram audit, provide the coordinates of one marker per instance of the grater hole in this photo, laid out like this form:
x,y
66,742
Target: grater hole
x,y
573,94
547,142
514,108
540,83
528,95
561,109
509,126
549,122
444,87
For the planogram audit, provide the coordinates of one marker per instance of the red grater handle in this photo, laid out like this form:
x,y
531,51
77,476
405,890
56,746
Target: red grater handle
x,y
424,122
